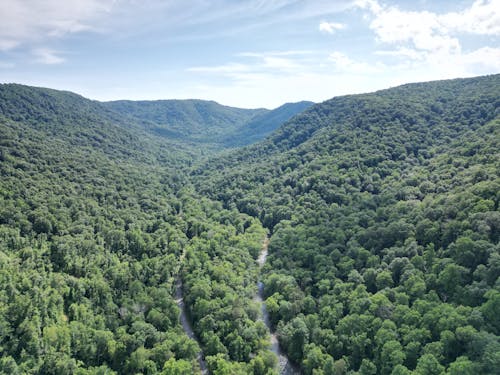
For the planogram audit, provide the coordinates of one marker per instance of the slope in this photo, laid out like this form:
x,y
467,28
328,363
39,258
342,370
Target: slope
x,y
94,216
384,209
263,124
206,123
85,123
189,120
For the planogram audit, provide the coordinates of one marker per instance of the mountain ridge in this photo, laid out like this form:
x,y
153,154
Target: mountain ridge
x,y
202,121
384,214
381,209
192,121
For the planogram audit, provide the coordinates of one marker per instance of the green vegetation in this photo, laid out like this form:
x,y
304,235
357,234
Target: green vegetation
x,y
383,211
384,256
263,124
94,215
206,123
190,120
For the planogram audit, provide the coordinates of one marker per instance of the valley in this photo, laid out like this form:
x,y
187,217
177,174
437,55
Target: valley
x,y
285,367
355,236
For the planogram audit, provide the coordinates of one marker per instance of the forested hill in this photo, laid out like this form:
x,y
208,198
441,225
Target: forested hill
x,y
71,118
440,109
98,223
206,123
263,124
384,209
190,120
166,129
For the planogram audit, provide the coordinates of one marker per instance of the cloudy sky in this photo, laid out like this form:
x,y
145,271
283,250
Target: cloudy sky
x,y
246,53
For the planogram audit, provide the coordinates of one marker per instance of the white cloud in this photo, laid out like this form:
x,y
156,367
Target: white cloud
x,y
258,63
428,44
330,27
343,63
371,5
485,57
278,77
482,18
279,63
34,21
428,31
47,56
402,52
272,90
276,53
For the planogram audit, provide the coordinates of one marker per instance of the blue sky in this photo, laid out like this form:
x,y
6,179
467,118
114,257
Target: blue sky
x,y
245,53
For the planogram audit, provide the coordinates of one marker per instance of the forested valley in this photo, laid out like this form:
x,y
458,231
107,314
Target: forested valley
x,y
381,209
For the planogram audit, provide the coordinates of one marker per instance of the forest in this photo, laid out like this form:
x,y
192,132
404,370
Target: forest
x,y
382,211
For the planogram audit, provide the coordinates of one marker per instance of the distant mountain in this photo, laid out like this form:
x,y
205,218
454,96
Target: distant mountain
x,y
263,124
82,122
192,126
192,120
207,122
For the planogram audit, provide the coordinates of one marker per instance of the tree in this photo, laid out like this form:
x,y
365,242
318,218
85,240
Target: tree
x,y
294,336
177,367
367,367
490,310
384,280
314,358
391,355
462,366
429,365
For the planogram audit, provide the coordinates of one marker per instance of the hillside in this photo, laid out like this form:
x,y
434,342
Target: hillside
x,y
206,123
263,124
190,120
97,225
382,211
385,220
85,123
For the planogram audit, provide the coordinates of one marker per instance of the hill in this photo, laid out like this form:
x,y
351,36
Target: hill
x,y
384,210
190,120
84,123
98,223
263,124
206,123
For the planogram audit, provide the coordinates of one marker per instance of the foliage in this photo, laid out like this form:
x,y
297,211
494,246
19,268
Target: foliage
x,y
383,211
206,123
385,221
94,217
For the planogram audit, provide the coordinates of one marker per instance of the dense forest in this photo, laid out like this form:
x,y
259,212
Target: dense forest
x,y
206,124
384,257
94,218
382,211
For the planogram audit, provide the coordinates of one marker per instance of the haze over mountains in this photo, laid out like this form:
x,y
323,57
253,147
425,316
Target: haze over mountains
x,y
382,211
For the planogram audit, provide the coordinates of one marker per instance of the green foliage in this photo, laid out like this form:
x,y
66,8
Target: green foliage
x,y
383,209
178,367
206,123
384,213
263,124
94,217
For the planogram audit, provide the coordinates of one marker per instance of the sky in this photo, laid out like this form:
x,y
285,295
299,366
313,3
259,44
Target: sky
x,y
244,53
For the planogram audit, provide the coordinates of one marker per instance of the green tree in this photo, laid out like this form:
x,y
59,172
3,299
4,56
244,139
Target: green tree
x,y
429,365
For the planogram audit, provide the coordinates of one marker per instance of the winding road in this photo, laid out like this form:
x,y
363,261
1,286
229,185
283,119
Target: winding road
x,y
184,319
285,367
